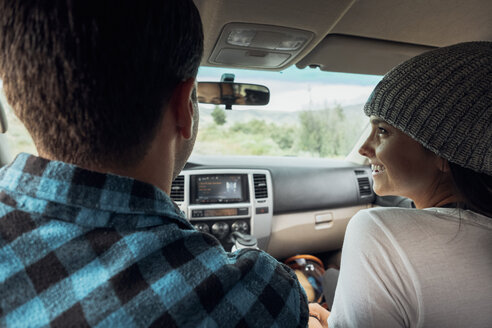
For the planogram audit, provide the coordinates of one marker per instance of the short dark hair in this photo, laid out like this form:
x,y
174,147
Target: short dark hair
x,y
90,79
474,188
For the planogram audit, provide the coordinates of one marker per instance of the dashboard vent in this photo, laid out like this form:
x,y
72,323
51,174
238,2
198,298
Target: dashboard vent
x,y
364,187
177,189
260,186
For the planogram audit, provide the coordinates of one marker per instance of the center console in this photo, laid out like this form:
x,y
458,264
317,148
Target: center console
x,y
222,201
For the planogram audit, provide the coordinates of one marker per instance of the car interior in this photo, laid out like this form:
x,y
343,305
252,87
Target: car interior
x,y
296,205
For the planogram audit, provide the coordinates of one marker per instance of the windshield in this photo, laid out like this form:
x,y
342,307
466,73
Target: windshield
x,y
311,114
19,140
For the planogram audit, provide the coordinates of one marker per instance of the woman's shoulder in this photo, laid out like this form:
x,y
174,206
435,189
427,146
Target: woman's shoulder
x,y
392,222
381,222
395,214
427,215
410,222
391,210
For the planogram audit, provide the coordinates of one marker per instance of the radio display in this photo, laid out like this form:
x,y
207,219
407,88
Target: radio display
x,y
219,188
221,212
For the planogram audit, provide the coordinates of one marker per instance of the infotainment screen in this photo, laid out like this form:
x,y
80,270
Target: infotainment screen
x,y
219,188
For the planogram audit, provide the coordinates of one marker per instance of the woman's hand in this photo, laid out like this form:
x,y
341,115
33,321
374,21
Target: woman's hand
x,y
320,312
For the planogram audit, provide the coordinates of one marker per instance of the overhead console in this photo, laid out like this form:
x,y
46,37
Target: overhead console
x,y
222,201
240,33
258,46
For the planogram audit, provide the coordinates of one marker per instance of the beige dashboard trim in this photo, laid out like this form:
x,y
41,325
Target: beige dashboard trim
x,y
309,232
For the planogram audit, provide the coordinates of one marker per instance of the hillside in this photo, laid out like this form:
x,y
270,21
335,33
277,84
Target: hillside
x,y
234,116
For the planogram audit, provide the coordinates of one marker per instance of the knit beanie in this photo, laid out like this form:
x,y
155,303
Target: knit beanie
x,y
443,99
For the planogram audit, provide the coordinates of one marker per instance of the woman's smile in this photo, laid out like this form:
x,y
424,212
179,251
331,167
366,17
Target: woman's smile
x,y
377,169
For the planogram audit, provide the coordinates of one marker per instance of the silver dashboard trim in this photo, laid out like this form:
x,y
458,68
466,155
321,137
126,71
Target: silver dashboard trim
x,y
261,224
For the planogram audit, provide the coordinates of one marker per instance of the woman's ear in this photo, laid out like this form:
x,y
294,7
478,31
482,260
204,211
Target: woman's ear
x,y
182,105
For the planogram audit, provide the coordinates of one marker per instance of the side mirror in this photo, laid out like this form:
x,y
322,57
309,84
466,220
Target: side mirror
x,y
230,93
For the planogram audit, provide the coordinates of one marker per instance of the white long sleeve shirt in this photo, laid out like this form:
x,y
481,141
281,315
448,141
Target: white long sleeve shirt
x,y
415,268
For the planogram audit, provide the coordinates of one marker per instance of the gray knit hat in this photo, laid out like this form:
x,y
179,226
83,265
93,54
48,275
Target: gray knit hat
x,y
443,99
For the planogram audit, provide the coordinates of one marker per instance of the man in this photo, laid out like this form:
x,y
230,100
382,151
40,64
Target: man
x,y
88,234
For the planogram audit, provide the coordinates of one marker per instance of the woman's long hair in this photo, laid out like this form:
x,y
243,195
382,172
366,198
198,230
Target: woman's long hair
x,y
474,188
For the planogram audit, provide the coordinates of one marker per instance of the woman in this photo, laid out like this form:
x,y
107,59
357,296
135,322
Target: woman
x,y
431,141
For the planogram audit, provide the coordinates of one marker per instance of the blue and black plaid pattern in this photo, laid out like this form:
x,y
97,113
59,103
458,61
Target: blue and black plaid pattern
x,y
80,248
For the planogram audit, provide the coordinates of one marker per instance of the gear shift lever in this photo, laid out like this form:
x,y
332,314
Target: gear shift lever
x,y
242,240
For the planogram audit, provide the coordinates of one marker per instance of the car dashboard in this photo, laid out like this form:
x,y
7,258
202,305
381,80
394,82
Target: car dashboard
x,y
291,205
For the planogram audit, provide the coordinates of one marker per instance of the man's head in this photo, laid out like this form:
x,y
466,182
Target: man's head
x,y
91,79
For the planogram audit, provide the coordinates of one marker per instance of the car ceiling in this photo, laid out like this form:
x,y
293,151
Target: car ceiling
x,y
352,35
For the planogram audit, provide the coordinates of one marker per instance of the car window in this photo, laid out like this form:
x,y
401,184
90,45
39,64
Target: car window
x,y
311,114
18,138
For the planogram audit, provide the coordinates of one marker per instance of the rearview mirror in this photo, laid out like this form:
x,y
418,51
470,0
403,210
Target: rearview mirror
x,y
230,93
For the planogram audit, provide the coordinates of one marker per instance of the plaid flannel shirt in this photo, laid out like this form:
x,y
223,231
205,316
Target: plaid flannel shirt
x,y
80,248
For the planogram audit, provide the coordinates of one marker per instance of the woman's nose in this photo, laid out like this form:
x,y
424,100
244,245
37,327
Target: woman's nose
x,y
366,149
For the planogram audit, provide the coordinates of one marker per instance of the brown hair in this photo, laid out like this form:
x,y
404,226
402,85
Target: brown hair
x,y
474,188
90,79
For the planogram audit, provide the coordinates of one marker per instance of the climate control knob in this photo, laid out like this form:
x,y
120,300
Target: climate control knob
x,y
240,226
220,229
202,227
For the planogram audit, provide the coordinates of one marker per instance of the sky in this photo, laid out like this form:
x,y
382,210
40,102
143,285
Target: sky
x,y
294,89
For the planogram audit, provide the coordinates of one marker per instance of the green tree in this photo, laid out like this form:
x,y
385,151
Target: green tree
x,y
219,116
284,136
253,126
324,131
311,134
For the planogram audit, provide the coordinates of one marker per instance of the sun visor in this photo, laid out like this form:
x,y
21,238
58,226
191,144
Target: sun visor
x,y
341,53
258,46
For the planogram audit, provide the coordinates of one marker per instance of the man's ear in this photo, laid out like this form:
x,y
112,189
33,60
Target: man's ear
x,y
182,105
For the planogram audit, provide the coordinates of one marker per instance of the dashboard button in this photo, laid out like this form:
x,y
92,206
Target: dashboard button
x,y
243,211
261,210
197,213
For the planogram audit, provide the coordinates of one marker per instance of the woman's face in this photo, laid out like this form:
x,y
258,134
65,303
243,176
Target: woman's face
x,y
400,165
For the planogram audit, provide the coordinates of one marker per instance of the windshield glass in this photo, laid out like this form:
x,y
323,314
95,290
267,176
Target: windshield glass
x,y
311,114
19,140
